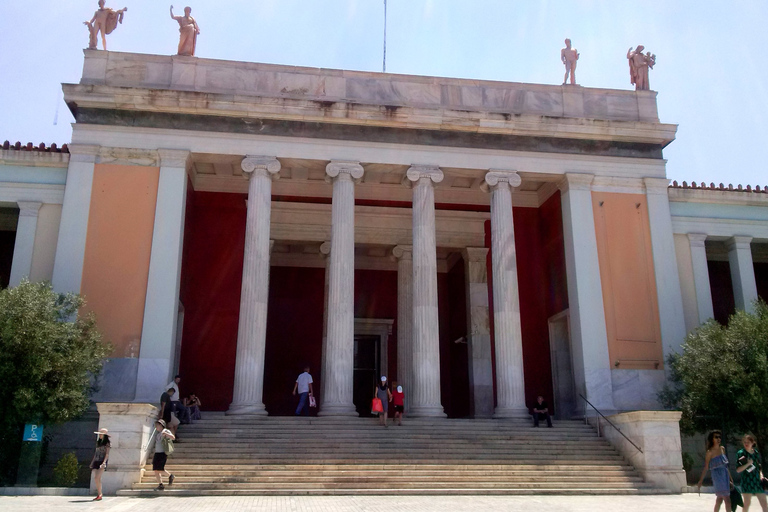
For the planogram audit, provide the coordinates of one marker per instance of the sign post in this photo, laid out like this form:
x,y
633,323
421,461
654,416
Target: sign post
x,y
29,459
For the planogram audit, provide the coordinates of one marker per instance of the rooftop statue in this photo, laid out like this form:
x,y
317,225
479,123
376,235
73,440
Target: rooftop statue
x,y
569,56
639,64
104,20
188,31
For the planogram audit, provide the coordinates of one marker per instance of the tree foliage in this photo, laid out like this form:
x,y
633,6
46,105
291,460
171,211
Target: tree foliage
x,y
719,378
47,359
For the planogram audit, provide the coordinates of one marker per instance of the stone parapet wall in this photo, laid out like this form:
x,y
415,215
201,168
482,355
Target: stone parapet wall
x,y
657,433
357,87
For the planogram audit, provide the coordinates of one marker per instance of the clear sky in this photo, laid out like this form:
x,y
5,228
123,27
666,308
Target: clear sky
x,y
708,74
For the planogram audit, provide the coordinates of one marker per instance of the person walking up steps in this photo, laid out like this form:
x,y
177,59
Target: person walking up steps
x,y
303,386
382,393
398,400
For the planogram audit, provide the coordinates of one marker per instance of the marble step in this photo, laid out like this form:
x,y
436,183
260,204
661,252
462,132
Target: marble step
x,y
561,491
373,479
535,466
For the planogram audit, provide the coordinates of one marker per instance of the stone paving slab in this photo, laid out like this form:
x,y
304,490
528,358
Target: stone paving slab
x,y
675,503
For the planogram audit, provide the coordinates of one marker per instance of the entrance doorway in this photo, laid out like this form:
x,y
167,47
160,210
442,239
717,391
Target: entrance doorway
x,y
563,383
367,371
371,360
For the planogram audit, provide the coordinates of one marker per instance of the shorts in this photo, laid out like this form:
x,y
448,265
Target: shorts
x,y
399,408
158,461
97,464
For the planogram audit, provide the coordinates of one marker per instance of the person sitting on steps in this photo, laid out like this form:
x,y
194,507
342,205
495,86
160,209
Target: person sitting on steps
x,y
540,412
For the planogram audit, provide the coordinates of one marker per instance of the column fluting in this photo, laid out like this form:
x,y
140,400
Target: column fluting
x,y
510,381
404,255
338,368
252,327
425,398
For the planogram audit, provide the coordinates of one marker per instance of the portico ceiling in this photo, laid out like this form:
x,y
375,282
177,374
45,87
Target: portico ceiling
x,y
381,182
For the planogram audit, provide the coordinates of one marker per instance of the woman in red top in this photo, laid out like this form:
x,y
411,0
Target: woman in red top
x,y
398,398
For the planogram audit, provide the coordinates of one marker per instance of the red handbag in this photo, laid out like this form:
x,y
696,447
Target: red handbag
x,y
376,406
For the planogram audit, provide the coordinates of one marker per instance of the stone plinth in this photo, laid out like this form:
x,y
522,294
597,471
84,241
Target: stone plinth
x,y
130,426
657,433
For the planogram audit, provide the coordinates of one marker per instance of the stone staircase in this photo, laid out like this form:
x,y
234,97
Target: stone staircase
x,y
225,455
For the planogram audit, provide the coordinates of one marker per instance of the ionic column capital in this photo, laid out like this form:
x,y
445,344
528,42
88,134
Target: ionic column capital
x,y
415,173
658,186
253,165
495,176
575,181
344,168
697,239
173,157
28,208
403,252
739,242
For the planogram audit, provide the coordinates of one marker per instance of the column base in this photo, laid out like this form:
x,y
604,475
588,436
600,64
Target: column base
x,y
337,410
246,409
426,411
511,413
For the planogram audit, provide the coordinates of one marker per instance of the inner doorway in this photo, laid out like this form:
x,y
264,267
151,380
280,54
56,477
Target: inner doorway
x,y
563,382
367,371
371,360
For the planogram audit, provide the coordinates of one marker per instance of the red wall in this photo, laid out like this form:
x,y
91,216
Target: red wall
x,y
210,292
542,288
211,274
723,303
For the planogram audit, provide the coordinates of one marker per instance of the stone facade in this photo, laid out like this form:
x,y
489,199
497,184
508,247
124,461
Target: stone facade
x,y
530,197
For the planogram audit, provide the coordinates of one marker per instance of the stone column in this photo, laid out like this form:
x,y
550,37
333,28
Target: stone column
x,y
75,210
589,338
508,340
254,292
325,252
25,241
337,378
701,276
479,335
404,255
742,272
161,307
425,398
668,290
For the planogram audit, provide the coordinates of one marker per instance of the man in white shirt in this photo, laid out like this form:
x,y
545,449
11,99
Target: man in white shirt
x,y
182,412
304,387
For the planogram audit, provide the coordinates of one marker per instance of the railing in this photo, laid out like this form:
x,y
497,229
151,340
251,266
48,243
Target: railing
x,y
587,402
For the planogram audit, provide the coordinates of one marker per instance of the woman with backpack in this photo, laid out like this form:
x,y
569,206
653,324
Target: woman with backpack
x,y
163,448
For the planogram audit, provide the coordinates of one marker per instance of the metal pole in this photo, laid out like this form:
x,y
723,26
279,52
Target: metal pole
x,y
384,64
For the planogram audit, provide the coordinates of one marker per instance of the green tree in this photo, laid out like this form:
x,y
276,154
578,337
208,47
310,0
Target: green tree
x,y
47,360
719,378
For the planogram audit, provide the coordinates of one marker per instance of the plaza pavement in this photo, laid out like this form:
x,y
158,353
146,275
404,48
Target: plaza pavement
x,y
675,503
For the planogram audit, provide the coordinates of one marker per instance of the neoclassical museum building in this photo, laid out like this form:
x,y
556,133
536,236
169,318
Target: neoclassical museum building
x,y
481,243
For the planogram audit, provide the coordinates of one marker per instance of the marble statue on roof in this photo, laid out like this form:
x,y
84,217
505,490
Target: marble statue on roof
x,y
188,31
639,64
104,20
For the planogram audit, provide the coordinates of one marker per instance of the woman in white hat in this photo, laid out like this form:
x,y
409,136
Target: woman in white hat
x,y
382,393
100,458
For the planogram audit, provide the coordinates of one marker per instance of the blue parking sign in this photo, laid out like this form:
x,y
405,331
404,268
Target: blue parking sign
x,y
33,432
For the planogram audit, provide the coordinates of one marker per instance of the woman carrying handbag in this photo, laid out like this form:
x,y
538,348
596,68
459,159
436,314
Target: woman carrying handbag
x,y
382,394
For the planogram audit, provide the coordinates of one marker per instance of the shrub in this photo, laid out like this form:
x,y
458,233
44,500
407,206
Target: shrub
x,y
66,470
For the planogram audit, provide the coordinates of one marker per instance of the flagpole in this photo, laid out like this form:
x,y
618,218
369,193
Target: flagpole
x,y
384,64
